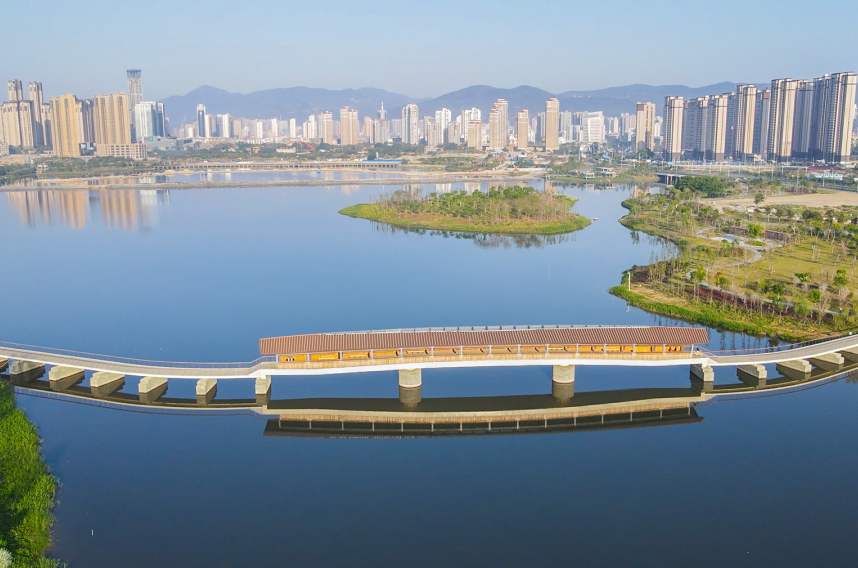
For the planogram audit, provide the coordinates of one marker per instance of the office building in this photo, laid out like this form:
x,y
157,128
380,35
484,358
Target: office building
x,y
66,137
833,117
781,119
591,127
674,108
645,126
522,125
135,97
552,124
410,131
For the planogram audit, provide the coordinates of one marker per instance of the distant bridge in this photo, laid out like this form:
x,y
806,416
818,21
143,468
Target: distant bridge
x,y
669,178
409,351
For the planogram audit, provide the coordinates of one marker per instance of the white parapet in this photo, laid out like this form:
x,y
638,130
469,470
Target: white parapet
x,y
410,378
64,373
103,378
205,386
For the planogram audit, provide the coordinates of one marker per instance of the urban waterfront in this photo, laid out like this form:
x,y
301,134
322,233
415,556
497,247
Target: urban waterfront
x,y
201,275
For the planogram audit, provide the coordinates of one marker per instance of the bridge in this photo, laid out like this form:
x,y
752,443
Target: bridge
x,y
668,178
408,351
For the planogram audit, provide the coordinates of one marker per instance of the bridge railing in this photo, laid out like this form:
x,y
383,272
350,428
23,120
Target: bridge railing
x,y
770,348
38,349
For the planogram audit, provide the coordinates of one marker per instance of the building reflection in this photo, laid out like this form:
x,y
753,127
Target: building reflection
x,y
126,209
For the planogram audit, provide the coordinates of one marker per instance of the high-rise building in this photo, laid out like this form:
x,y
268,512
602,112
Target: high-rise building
x,y
135,96
475,134
833,117
37,100
673,111
522,123
293,129
87,121
443,118
349,126
46,124
17,124
466,116
65,126
762,105
326,127
380,127
16,90
694,123
645,126
430,134
111,121
627,123
410,132
552,124
781,119
367,129
802,117
201,120
716,127
224,126
741,117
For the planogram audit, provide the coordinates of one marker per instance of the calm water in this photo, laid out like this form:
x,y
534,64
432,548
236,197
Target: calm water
x,y
203,274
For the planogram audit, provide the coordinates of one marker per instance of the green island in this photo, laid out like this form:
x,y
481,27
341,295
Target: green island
x,y
27,490
785,270
502,210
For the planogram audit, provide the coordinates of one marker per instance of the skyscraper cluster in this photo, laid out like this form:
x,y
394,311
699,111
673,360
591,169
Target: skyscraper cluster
x,y
791,121
114,125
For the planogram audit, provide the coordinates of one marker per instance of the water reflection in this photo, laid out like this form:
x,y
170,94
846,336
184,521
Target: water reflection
x,y
482,240
126,209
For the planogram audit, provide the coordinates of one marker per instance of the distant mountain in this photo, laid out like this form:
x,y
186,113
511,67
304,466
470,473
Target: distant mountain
x,y
292,102
300,102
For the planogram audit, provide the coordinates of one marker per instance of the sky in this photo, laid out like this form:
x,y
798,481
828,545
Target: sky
x,y
420,49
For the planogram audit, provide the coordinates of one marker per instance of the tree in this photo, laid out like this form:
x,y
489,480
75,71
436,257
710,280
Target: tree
x,y
759,198
710,185
755,230
814,296
840,279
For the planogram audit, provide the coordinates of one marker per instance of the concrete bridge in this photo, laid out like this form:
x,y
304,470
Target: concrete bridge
x,y
408,351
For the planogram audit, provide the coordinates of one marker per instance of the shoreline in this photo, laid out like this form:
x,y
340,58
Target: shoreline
x,y
268,183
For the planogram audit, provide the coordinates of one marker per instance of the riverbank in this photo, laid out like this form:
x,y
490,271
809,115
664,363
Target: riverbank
x,y
787,277
27,489
502,211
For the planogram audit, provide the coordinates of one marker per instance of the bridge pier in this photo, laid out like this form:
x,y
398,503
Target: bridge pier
x,y
206,390
63,378
798,370
410,383
752,375
703,378
262,389
850,354
22,372
563,382
4,364
830,362
151,389
102,383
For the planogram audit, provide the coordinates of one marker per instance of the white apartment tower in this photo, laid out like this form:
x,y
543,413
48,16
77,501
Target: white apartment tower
x,y
673,111
410,133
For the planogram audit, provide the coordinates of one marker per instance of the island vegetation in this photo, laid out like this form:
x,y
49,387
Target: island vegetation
x,y
27,490
785,271
501,210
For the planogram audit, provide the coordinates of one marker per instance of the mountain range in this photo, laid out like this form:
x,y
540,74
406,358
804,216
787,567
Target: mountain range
x,y
300,102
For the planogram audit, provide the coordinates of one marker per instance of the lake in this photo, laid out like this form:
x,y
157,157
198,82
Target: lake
x,y
201,275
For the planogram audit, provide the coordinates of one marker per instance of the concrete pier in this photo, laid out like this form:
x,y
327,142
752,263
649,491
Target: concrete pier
x,y
752,375
563,382
22,372
830,362
702,378
4,364
262,388
206,390
103,384
62,378
799,369
151,388
850,354
410,383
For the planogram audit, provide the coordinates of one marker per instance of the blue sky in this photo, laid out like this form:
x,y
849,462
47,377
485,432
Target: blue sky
x,y
420,49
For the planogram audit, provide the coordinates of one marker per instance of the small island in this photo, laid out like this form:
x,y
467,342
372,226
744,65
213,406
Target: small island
x,y
502,210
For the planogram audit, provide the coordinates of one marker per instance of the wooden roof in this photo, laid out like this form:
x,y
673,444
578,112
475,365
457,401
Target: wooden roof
x,y
482,336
